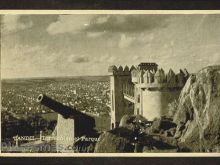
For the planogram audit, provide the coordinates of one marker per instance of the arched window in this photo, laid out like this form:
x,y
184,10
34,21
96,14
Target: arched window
x,y
113,126
138,99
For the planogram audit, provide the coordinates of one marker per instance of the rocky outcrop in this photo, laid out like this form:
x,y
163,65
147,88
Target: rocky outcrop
x,y
161,126
115,141
135,135
124,138
198,111
133,122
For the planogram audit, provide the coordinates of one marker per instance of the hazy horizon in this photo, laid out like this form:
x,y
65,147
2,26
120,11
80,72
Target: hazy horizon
x,y
11,78
85,45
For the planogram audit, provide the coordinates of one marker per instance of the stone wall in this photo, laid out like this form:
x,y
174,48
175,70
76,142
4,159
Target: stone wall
x,y
155,103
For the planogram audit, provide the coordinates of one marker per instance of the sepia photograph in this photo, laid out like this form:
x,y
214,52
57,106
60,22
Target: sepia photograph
x,y
110,82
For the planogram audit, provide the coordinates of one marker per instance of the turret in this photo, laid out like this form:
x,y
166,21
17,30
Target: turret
x,y
120,85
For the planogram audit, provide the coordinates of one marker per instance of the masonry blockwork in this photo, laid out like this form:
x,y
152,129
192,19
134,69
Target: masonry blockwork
x,y
144,90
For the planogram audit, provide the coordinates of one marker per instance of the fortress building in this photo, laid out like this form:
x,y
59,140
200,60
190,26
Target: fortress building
x,y
143,90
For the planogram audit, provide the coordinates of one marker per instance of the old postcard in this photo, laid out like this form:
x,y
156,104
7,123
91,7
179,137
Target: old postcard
x,y
108,83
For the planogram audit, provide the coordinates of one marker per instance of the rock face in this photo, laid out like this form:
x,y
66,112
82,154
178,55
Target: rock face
x,y
198,111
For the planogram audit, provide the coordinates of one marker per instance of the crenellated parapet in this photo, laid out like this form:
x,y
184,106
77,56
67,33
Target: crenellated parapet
x,y
123,71
159,79
137,75
147,75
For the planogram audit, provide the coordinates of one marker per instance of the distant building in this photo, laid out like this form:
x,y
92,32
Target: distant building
x,y
143,90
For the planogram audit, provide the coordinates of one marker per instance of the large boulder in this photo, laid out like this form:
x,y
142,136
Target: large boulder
x,y
133,122
160,125
198,112
115,141
123,138
127,122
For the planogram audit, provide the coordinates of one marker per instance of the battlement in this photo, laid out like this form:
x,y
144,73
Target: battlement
x,y
159,79
127,71
113,70
147,75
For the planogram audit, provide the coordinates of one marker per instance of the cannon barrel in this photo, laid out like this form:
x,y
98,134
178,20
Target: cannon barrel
x,y
55,106
65,111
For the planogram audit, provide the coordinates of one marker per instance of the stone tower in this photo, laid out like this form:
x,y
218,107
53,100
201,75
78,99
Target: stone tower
x,y
154,90
138,78
144,90
120,83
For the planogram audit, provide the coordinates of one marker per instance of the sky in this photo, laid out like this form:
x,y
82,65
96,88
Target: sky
x,y
78,45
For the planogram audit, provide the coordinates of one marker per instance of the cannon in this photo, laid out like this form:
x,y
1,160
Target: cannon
x,y
84,124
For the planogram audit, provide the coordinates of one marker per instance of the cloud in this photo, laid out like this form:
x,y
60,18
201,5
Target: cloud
x,y
13,23
77,59
21,60
104,40
20,50
98,24
112,59
69,24
27,49
126,23
82,59
125,41
106,59
101,59
71,57
135,39
95,34
136,58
